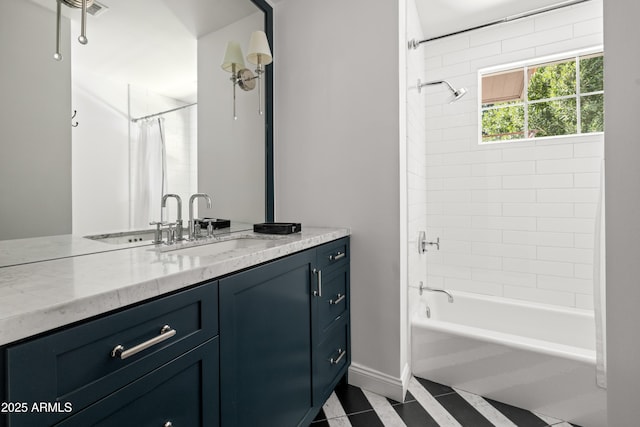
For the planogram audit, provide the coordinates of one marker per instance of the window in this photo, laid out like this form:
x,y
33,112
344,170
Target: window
x,y
560,97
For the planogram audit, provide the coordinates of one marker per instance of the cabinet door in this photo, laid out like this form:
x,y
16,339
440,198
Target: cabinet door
x,y
265,344
183,392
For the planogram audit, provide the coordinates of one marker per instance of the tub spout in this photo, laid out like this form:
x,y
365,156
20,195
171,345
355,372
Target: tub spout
x,y
426,288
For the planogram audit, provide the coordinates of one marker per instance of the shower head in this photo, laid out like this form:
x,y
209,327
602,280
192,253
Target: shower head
x,y
457,93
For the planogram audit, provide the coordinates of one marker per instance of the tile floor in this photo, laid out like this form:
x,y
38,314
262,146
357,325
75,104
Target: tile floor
x,y
427,404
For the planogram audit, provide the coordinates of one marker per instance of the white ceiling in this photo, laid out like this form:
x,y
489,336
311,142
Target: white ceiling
x,y
441,17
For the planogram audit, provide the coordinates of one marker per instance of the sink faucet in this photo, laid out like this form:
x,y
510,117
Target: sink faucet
x,y
179,220
192,222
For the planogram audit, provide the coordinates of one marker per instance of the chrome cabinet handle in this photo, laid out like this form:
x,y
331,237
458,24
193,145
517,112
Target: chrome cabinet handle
x,y
337,256
339,299
168,424
165,333
318,273
340,356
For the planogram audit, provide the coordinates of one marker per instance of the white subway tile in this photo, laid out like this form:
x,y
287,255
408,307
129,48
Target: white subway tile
x,y
454,246
538,181
434,281
576,195
473,183
448,171
589,149
569,45
472,53
504,277
453,221
504,223
586,164
504,250
586,241
552,268
472,234
538,38
586,28
493,209
435,184
472,157
474,286
587,180
449,196
504,168
446,45
503,196
544,296
553,210
565,284
504,58
500,32
566,225
478,261
584,301
537,152
457,271
585,210
560,17
539,238
584,271
574,255
449,146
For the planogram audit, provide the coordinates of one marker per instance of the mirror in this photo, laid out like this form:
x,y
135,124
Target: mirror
x,y
75,159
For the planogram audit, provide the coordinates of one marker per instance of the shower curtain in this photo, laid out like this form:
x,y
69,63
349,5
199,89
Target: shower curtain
x,y
148,173
599,288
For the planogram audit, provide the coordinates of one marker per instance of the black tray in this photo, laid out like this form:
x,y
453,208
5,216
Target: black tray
x,y
217,223
277,227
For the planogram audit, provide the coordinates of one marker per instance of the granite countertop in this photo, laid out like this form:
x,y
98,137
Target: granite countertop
x,y
41,296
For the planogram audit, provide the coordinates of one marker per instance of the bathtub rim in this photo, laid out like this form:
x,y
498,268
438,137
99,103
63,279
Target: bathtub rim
x,y
578,354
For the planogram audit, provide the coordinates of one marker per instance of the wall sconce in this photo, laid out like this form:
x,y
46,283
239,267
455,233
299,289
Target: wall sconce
x,y
233,62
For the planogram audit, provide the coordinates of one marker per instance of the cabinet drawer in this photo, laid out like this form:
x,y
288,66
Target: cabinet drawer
x,y
334,300
183,392
333,254
78,365
333,356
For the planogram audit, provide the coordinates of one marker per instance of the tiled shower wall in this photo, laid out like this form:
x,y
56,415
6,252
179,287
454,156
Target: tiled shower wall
x,y
515,219
416,159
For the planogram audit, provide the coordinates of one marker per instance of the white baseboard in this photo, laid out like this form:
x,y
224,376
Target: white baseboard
x,y
379,382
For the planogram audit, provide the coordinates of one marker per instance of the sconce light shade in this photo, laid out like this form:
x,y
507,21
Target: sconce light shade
x,y
233,56
259,47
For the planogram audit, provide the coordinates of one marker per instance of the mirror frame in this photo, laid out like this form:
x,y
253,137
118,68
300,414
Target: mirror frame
x,y
268,119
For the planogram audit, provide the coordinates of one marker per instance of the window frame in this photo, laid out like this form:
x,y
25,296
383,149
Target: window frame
x,y
525,65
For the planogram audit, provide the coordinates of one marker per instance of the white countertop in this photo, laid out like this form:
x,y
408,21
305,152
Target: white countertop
x,y
41,296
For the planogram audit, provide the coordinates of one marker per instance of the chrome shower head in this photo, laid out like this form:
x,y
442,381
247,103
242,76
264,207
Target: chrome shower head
x,y
457,93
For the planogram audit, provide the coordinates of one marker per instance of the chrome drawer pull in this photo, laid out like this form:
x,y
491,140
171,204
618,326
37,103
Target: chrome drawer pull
x,y
318,273
337,301
342,354
337,256
165,333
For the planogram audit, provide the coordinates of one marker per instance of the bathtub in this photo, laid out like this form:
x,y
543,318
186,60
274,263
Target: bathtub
x,y
533,356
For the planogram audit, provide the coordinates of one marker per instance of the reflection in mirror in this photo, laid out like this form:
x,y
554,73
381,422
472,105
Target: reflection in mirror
x,y
154,116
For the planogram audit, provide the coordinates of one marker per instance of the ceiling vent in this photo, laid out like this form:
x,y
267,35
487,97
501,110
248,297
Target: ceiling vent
x,y
97,9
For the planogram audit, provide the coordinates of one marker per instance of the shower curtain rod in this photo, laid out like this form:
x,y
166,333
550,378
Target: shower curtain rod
x,y
414,44
163,112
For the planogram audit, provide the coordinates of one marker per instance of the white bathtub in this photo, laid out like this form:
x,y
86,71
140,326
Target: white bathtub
x,y
533,356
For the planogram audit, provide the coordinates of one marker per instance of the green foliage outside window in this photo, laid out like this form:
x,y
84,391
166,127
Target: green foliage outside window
x,y
551,103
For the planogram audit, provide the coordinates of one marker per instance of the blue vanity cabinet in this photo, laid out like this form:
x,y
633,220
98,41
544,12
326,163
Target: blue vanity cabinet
x,y
265,344
284,337
80,371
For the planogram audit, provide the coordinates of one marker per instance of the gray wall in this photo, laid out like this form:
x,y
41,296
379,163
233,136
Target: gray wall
x,y
337,153
35,124
622,154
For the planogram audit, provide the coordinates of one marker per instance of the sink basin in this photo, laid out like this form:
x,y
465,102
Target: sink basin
x,y
213,247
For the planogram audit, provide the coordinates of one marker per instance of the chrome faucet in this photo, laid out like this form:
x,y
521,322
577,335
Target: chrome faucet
x,y
426,288
192,224
179,220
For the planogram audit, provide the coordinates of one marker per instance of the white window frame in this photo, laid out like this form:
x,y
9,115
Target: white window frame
x,y
525,65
